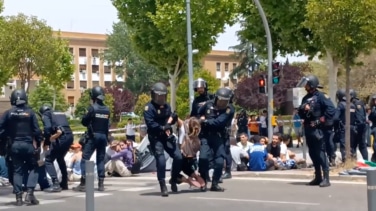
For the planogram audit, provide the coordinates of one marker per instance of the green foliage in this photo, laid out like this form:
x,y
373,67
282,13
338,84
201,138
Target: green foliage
x,y
44,94
182,100
124,122
84,102
140,104
345,27
76,125
158,30
140,74
285,20
29,48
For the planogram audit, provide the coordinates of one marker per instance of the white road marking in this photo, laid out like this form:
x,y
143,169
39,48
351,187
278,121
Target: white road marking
x,y
293,180
136,189
95,195
257,201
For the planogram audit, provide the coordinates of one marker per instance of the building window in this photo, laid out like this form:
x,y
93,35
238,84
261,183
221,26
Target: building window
x,y
70,85
71,100
226,67
233,66
107,70
218,67
82,52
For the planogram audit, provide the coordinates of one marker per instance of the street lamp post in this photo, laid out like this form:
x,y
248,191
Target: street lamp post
x,y
190,53
270,73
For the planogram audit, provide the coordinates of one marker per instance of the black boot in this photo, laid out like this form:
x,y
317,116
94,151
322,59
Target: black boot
x,y
227,175
100,184
216,188
325,182
64,185
54,188
174,186
164,192
19,201
30,198
81,186
317,180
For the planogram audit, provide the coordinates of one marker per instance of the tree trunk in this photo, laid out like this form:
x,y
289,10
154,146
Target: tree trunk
x,y
172,79
347,125
332,75
54,99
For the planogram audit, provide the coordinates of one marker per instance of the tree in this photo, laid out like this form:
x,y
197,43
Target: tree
x,y
140,74
45,94
140,104
289,33
84,102
123,100
182,99
346,28
29,48
247,93
159,31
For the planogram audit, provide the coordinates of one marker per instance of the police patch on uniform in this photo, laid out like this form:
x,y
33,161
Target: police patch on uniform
x,y
228,110
159,111
208,111
146,108
358,106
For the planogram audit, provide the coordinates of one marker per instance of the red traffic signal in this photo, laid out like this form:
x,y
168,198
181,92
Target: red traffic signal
x,y
261,82
262,85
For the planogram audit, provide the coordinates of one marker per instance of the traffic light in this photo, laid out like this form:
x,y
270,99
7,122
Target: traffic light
x,y
262,85
274,121
276,72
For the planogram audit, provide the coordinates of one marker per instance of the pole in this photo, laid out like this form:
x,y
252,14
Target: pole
x,y
190,53
371,189
89,185
270,73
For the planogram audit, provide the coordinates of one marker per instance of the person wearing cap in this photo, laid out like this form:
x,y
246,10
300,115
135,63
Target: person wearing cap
x,y
97,121
317,112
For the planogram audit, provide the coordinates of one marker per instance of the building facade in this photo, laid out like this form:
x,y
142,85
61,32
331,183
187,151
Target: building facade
x,y
91,71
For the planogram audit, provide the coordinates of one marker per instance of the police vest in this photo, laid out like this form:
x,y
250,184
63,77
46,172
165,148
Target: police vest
x,y
360,112
61,122
20,122
100,119
343,113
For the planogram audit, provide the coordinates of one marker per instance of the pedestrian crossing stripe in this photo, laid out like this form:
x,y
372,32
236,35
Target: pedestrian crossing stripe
x,y
12,200
136,189
95,195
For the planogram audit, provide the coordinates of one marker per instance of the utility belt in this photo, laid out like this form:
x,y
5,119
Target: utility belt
x,y
64,130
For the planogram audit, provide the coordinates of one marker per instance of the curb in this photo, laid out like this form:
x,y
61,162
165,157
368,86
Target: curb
x,y
301,176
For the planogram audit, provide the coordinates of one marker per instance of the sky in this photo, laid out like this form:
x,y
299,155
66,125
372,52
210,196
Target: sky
x,y
97,16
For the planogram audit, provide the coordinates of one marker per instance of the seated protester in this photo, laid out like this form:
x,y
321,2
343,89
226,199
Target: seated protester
x,y
189,148
274,148
239,157
258,157
122,161
264,142
110,150
285,160
74,167
244,143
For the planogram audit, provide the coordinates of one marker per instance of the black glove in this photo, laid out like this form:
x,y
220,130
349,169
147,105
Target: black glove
x,y
174,117
167,127
203,122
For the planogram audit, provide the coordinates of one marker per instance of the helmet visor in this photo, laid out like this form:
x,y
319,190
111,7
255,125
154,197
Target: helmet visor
x,y
303,82
199,84
222,102
159,99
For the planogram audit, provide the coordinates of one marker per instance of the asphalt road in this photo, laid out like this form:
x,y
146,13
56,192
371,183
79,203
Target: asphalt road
x,y
246,194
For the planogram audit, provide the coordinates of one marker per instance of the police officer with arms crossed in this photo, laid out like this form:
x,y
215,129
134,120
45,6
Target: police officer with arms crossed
x,y
340,121
157,114
21,125
97,121
57,131
215,115
318,112
205,156
228,159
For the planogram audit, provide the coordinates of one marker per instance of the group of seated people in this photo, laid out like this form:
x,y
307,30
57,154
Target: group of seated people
x,y
257,154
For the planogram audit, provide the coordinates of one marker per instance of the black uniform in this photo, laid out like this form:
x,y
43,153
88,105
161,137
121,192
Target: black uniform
x,y
228,159
319,115
52,122
21,125
97,121
359,128
156,115
217,114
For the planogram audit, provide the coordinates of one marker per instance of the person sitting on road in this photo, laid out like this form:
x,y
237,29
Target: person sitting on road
x,y
74,168
287,159
122,161
189,148
258,157
244,143
239,156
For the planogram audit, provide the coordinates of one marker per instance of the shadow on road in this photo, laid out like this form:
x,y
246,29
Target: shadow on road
x,y
298,183
171,193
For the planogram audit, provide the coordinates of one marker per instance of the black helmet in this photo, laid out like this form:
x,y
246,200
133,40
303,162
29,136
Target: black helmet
x,y
18,97
200,83
44,108
159,93
97,93
341,94
232,94
311,80
222,98
353,93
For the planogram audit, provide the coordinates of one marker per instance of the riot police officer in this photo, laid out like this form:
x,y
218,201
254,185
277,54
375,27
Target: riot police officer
x,y
58,135
215,115
97,121
340,121
228,159
359,127
21,125
318,112
157,114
